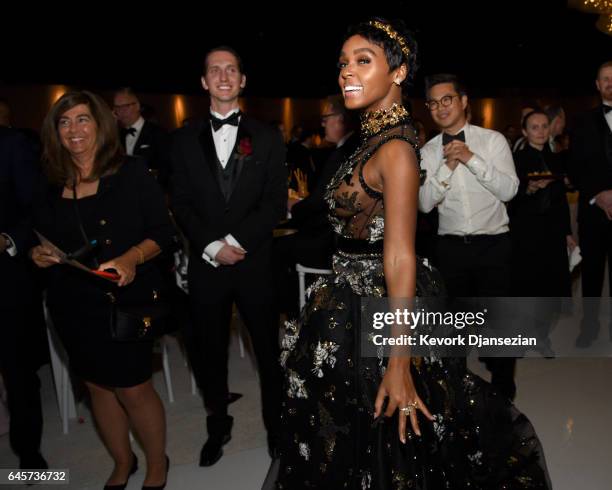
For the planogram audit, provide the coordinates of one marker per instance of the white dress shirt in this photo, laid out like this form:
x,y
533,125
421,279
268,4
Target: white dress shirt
x,y
470,199
130,139
224,137
608,116
225,140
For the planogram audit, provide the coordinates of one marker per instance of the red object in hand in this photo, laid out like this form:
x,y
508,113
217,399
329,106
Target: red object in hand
x,y
107,275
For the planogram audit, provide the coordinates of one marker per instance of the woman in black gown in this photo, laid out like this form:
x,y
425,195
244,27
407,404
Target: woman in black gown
x,y
337,431
122,208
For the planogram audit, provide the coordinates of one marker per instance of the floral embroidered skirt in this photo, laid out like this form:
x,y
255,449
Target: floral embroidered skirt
x,y
330,439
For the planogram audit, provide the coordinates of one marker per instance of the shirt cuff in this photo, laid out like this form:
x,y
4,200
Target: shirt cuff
x,y
11,249
477,166
232,241
444,175
211,251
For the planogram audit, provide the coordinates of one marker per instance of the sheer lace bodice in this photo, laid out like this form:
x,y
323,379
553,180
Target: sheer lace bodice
x,y
356,209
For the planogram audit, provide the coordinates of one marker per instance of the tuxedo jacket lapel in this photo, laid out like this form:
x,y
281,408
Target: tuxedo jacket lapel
x,y
243,133
207,144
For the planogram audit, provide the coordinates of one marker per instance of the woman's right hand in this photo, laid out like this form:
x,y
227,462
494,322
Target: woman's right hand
x,y
398,387
43,257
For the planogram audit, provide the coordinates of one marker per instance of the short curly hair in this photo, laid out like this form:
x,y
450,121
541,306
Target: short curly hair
x,y
393,51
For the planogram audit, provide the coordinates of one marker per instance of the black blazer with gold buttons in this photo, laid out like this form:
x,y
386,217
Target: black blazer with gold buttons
x,y
128,208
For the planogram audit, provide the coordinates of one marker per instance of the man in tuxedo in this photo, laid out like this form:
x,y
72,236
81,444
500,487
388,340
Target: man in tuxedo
x,y
313,244
591,161
470,177
228,192
142,138
22,339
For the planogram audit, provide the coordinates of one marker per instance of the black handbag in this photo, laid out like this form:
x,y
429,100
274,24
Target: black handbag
x,y
132,319
135,321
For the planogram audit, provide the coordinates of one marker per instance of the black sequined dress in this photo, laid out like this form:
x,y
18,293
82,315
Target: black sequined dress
x,y
330,439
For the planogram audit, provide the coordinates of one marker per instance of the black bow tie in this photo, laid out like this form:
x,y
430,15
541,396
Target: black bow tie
x,y
607,108
218,123
126,131
447,138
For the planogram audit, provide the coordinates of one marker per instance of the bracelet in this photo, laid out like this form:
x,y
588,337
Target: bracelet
x,y
141,256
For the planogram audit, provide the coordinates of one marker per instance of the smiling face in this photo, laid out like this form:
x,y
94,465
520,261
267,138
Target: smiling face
x,y
447,107
365,79
78,132
223,79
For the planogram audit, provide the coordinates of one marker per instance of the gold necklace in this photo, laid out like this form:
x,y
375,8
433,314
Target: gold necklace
x,y
372,123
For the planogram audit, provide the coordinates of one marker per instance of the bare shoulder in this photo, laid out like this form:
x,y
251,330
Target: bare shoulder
x,y
396,155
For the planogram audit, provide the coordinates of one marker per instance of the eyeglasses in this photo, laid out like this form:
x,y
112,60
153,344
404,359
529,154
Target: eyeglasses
x,y
123,106
445,101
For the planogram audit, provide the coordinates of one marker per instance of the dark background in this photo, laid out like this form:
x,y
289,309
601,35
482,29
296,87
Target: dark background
x,y
290,49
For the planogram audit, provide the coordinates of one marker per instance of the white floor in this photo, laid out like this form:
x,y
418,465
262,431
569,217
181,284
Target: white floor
x,y
569,401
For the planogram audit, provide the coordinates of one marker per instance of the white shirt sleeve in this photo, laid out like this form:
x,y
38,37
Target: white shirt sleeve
x,y
232,241
437,180
210,252
11,249
497,174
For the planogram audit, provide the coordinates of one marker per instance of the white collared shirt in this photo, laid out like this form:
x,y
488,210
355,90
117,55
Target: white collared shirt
x,y
608,117
224,137
470,199
130,139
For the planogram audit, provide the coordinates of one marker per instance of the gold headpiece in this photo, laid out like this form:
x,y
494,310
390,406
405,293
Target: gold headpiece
x,y
392,33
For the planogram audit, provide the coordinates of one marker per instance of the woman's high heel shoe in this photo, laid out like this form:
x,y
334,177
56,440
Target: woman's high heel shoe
x,y
159,487
132,471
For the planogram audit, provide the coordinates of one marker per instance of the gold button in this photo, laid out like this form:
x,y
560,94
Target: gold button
x,y
102,222
108,241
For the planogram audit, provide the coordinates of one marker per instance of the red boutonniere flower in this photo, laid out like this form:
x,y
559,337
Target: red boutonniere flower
x,y
245,147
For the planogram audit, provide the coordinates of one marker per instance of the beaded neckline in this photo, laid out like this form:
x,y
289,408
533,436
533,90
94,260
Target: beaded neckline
x,y
375,122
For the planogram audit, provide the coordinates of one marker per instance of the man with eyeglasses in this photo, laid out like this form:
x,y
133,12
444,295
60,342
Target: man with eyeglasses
x,y
470,177
313,244
141,138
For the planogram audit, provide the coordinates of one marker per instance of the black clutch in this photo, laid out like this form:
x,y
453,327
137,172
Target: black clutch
x,y
138,322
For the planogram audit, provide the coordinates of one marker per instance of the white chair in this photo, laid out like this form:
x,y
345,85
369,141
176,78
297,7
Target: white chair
x,y
302,271
163,341
61,375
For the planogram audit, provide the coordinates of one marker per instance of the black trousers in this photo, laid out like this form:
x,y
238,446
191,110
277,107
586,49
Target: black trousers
x,y
479,266
212,292
20,358
596,247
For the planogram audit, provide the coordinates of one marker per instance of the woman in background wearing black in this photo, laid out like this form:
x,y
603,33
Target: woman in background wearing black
x,y
540,227
540,215
95,193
